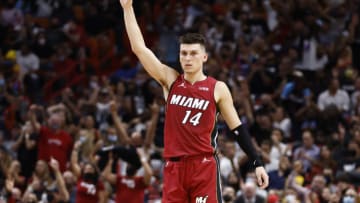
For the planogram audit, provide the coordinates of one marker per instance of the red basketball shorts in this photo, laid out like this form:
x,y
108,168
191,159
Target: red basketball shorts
x,y
192,179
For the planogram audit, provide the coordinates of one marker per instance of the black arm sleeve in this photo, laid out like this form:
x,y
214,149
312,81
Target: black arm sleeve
x,y
242,137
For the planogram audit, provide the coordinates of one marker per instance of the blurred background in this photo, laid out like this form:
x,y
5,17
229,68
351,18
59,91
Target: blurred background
x,y
68,78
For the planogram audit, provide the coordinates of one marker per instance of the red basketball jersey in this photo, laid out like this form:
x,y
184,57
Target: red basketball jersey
x,y
190,118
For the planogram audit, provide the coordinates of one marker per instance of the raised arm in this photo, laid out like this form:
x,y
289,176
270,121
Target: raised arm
x,y
144,162
24,137
63,192
33,121
121,131
74,162
159,71
150,133
225,103
71,104
107,174
18,141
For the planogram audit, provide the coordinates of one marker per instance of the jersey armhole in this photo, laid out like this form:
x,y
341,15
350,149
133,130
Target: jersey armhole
x,y
171,87
213,95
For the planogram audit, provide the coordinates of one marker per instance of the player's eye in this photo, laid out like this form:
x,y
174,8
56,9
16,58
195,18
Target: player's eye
x,y
183,53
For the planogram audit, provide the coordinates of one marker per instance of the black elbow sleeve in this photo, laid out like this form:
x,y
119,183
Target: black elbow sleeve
x,y
242,137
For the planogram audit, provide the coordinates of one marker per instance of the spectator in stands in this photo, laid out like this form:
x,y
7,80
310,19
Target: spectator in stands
x,y
44,50
249,194
154,191
29,64
278,177
234,180
325,165
258,77
139,136
42,176
70,183
307,117
282,121
14,175
354,34
295,181
229,194
295,93
334,96
101,97
130,188
262,127
229,162
329,196
350,196
277,150
355,100
11,15
53,140
308,152
89,137
5,161
318,183
282,75
56,191
350,162
26,148
89,187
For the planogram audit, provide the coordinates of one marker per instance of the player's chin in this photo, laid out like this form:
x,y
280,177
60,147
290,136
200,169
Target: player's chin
x,y
188,70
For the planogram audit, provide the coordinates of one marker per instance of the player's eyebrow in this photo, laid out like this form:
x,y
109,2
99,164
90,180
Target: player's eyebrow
x,y
189,51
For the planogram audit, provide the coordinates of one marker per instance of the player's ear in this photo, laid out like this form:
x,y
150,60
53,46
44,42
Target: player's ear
x,y
205,57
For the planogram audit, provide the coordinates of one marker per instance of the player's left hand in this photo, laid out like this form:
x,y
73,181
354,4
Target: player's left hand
x,y
262,177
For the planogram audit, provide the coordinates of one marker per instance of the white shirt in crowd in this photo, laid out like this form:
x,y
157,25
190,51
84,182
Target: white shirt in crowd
x,y
341,99
27,63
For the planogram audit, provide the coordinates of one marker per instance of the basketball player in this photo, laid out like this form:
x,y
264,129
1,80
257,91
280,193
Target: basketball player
x,y
191,170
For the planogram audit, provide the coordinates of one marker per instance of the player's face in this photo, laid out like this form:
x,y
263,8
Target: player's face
x,y
192,57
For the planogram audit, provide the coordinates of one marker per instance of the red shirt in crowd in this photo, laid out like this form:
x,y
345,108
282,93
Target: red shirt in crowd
x,y
88,192
130,189
56,144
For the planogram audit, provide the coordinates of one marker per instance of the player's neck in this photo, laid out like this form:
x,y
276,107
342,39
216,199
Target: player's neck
x,y
194,77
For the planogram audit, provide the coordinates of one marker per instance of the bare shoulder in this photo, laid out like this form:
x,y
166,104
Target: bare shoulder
x,y
221,90
220,84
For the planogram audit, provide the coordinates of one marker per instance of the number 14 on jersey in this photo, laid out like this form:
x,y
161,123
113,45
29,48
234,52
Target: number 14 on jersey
x,y
193,119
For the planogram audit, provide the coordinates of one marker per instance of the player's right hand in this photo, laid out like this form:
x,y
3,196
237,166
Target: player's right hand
x,y
262,177
125,3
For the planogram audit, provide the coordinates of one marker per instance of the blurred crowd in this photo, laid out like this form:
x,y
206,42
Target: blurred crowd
x,y
81,121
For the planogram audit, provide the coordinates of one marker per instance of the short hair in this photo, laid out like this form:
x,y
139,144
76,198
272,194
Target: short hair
x,y
192,38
